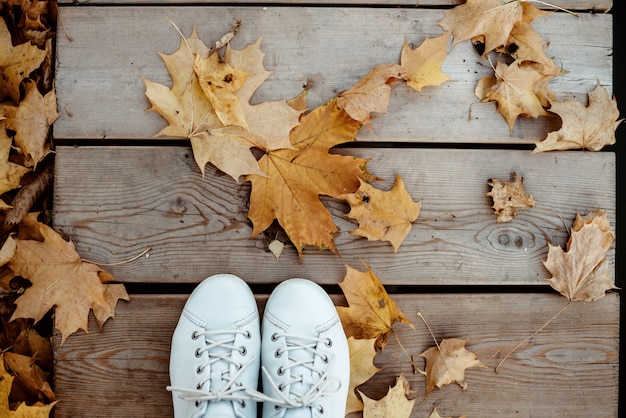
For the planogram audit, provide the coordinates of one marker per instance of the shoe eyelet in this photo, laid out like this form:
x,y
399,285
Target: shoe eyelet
x,y
277,407
280,371
243,350
199,370
320,409
274,337
199,386
197,404
247,335
325,359
195,335
198,353
239,367
281,387
278,353
329,343
242,404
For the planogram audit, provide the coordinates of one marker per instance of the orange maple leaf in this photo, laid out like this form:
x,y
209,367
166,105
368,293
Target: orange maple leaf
x,y
423,64
362,368
61,279
491,19
371,312
295,178
394,404
383,216
590,127
447,363
581,273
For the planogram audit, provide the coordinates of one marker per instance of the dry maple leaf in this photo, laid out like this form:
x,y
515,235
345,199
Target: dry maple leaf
x,y
371,312
295,178
23,410
383,216
525,44
491,19
515,91
447,363
189,113
10,173
590,127
395,403
362,368
16,63
371,93
509,197
581,272
30,383
435,414
31,121
423,64
61,279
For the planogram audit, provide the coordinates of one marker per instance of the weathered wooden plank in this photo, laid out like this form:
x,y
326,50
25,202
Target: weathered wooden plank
x,y
101,94
569,369
598,5
113,202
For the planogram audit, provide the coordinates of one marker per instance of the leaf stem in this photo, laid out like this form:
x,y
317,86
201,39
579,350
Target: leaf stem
x,y
443,357
553,6
406,353
130,260
531,335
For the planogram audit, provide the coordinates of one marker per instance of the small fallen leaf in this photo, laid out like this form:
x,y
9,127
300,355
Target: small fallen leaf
x,y
10,173
447,364
590,127
423,64
383,216
509,197
362,368
395,403
23,410
30,383
276,247
371,93
581,273
371,311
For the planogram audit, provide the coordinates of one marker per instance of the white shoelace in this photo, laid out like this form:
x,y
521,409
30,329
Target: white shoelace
x,y
322,386
233,390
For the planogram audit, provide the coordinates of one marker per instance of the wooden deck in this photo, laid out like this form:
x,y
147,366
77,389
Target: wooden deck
x,y
118,191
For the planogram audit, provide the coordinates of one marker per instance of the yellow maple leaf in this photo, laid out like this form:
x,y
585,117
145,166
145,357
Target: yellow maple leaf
x,y
60,279
491,19
581,272
23,410
509,197
295,178
423,64
371,312
362,368
394,404
447,363
383,216
590,127
17,62
371,93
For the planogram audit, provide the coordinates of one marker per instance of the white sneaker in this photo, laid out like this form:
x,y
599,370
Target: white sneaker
x,y
215,355
305,359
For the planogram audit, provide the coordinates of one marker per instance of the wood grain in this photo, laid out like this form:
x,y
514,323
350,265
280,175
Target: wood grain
x,y
113,202
101,93
569,369
599,5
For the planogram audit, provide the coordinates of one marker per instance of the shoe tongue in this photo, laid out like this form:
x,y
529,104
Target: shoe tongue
x,y
219,369
309,377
